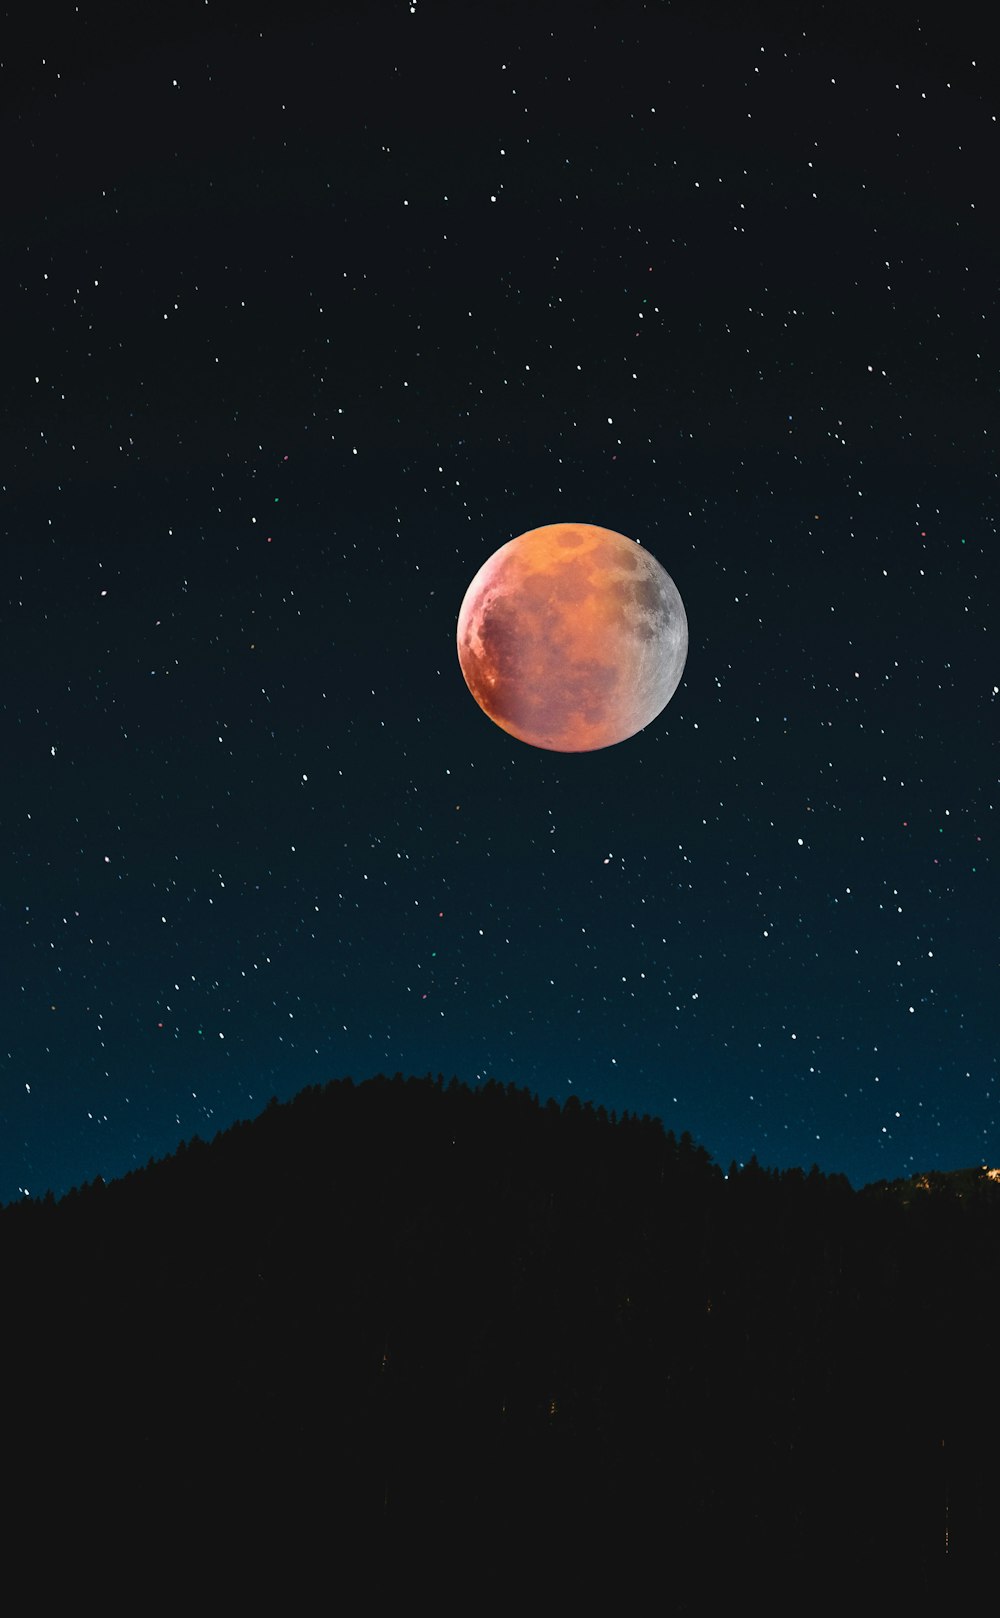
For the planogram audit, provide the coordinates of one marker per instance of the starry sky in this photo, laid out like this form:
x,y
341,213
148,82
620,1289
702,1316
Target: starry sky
x,y
309,311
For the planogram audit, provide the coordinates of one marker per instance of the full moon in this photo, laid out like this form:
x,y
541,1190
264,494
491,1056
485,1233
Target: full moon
x,y
572,637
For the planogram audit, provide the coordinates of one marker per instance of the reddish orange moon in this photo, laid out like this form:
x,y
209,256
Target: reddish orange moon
x,y
572,637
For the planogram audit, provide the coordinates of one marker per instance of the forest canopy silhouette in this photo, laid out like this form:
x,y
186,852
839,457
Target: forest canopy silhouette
x,y
411,1300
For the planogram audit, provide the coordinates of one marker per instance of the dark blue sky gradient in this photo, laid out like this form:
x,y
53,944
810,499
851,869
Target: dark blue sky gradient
x,y
294,344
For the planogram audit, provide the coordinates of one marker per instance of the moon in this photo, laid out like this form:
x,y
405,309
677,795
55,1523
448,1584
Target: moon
x,y
572,637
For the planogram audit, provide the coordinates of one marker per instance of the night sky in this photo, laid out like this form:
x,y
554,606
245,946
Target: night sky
x,y
306,314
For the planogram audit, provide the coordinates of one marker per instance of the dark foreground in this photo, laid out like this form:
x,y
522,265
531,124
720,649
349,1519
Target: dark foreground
x,y
394,1326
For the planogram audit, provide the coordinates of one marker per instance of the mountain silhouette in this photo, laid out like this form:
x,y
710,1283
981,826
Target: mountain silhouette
x,y
408,1305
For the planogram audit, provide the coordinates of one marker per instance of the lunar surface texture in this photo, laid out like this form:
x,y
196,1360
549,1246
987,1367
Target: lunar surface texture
x,y
572,637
